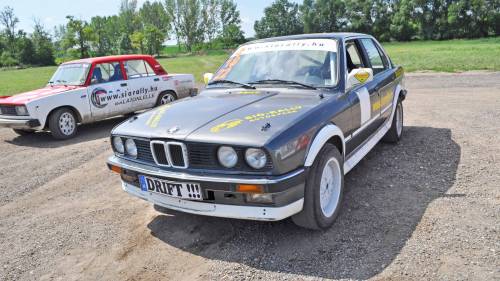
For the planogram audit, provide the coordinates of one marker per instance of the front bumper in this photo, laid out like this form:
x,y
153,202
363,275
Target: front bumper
x,y
287,192
19,123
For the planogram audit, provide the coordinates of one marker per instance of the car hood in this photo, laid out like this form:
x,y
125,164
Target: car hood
x,y
26,97
238,117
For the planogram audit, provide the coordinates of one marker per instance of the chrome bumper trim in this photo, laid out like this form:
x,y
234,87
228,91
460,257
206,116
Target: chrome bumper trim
x,y
15,123
155,171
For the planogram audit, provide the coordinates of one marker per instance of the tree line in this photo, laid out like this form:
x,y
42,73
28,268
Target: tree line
x,y
195,24
400,20
216,24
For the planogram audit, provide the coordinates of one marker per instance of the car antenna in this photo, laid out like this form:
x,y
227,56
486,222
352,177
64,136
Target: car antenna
x,y
266,127
321,96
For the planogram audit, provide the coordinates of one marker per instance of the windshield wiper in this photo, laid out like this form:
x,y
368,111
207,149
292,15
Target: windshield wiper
x,y
221,81
281,81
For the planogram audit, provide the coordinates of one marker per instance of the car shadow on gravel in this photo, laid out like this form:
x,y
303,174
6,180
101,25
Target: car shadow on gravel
x,y
385,198
86,132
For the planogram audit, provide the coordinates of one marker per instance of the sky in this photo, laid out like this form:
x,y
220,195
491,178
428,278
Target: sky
x,y
54,12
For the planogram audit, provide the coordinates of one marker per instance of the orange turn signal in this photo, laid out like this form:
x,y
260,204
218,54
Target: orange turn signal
x,y
250,188
115,169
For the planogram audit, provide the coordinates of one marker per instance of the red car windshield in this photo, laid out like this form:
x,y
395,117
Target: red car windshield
x,y
73,74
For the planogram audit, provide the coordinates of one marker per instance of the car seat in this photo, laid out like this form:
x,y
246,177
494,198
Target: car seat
x,y
97,75
117,75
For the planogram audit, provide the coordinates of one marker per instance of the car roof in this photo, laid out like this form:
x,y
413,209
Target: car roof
x,y
332,35
111,58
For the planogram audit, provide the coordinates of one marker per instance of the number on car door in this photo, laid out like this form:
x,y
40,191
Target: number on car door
x,y
107,90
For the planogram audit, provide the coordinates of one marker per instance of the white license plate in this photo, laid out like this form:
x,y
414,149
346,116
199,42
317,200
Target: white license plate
x,y
185,190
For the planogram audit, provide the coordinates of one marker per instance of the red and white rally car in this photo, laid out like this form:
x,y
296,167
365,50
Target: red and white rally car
x,y
92,89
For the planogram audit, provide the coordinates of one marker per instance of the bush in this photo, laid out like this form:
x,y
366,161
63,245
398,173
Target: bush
x,y
6,59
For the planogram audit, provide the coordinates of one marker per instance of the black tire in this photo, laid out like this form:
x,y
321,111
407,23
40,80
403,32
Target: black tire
x,y
312,216
166,95
58,131
394,134
22,132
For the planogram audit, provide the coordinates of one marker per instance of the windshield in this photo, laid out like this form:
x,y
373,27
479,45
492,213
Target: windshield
x,y
70,74
311,62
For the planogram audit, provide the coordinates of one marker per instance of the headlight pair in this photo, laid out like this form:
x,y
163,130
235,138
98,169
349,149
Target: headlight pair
x,y
255,157
125,146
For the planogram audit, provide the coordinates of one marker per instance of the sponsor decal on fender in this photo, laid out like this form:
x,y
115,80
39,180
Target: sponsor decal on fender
x,y
362,76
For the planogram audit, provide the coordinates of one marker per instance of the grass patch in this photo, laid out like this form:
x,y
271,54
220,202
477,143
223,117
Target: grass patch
x,y
446,56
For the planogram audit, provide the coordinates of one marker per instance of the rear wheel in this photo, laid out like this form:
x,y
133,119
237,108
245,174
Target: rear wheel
x,y
323,190
165,98
23,132
396,131
62,123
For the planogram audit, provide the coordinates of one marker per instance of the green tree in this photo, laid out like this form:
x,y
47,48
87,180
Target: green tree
x,y
82,34
100,42
323,15
26,53
128,23
187,21
210,10
281,18
43,46
9,21
403,26
230,23
138,41
155,25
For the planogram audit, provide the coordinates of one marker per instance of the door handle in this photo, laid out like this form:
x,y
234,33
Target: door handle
x,y
156,79
123,84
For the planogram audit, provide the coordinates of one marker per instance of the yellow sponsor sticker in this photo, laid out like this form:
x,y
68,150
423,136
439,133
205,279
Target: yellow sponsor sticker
x,y
362,76
155,118
226,125
273,113
255,117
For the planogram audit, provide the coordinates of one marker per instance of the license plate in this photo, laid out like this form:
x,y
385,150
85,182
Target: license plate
x,y
185,190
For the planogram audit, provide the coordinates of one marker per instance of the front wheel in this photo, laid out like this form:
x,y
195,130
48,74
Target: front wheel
x,y
323,190
62,124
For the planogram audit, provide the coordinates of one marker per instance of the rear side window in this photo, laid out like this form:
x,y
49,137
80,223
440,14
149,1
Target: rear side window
x,y
374,55
138,68
106,72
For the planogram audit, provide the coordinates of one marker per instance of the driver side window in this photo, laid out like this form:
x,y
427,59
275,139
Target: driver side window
x,y
353,56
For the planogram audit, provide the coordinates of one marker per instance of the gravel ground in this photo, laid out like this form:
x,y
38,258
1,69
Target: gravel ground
x,y
427,208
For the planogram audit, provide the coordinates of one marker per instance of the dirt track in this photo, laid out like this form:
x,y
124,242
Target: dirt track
x,y
427,208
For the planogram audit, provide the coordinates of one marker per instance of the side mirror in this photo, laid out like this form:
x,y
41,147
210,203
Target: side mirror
x,y
207,77
359,76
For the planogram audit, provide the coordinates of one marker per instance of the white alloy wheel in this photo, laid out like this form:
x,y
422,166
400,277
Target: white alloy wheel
x,y
330,187
399,119
67,123
167,98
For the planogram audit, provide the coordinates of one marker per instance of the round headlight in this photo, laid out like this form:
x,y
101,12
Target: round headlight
x,y
118,145
256,158
131,148
227,156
